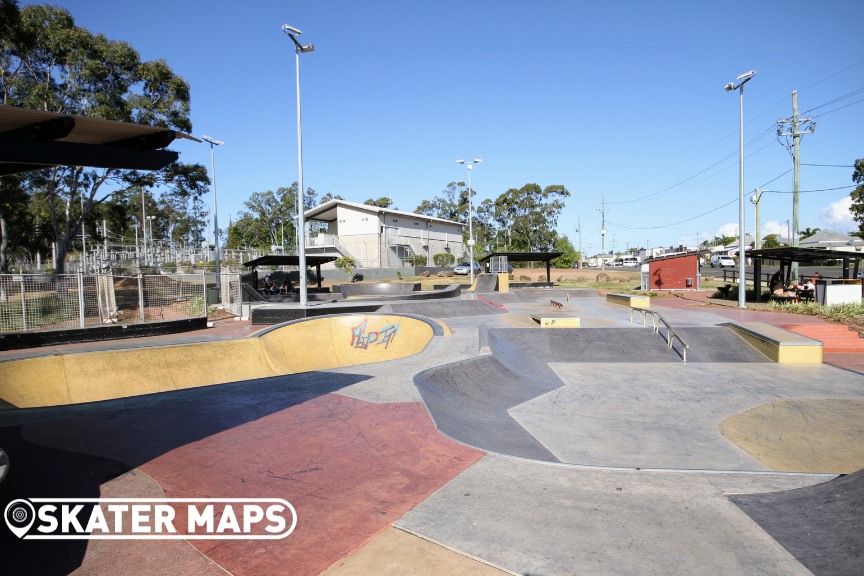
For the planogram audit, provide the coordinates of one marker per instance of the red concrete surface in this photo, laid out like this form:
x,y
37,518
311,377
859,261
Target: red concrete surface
x,y
350,468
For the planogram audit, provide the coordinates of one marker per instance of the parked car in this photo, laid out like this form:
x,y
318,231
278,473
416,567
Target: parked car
x,y
721,261
465,268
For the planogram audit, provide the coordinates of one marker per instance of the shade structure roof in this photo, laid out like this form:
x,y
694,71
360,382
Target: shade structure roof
x,y
35,139
804,255
525,256
279,260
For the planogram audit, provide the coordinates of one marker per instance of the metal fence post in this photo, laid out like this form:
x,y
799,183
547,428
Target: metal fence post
x,y
141,295
81,298
23,302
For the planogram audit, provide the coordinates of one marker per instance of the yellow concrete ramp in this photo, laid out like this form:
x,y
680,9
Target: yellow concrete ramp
x,y
313,344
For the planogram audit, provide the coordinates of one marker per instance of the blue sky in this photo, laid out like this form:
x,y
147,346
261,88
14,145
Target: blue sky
x,y
622,99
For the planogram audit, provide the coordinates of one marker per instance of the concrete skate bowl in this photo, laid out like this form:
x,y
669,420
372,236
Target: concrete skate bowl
x,y
821,525
397,291
319,343
486,402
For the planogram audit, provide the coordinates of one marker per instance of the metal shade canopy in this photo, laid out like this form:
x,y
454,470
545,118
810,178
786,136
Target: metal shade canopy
x,y
35,139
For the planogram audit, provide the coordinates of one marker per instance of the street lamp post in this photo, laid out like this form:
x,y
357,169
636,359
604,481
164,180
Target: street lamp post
x,y
742,285
470,165
213,143
301,221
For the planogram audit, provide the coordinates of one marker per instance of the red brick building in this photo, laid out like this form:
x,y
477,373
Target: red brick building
x,y
674,272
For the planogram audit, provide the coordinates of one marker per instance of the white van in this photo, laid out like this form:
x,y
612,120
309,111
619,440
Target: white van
x,y
718,260
630,261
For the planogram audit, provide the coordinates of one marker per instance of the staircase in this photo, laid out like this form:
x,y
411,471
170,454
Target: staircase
x,y
834,337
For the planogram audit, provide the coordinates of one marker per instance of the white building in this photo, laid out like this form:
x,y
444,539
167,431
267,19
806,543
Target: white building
x,y
380,237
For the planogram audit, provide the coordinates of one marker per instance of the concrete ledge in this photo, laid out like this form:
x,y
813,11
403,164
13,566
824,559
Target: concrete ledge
x,y
778,344
633,300
556,321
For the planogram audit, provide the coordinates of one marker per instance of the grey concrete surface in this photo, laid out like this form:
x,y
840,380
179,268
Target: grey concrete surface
x,y
545,519
666,416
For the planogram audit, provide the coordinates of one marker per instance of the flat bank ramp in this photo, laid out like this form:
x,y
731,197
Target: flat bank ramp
x,y
821,525
469,400
707,344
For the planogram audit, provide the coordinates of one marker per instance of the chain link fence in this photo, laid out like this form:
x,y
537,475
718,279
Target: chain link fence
x,y
231,294
37,302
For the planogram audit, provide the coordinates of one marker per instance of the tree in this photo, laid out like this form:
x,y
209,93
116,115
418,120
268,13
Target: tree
x,y
49,63
529,216
382,202
451,205
771,241
268,218
857,195
807,232
570,255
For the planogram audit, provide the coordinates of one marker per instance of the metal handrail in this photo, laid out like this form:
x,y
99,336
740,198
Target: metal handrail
x,y
670,332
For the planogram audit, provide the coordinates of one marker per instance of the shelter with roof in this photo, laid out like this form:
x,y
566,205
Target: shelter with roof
x,y
850,261
378,237
278,260
35,139
544,257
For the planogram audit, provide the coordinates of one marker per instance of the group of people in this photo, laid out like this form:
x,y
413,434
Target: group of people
x,y
271,287
780,288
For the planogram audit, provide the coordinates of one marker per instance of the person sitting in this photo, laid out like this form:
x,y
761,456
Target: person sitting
x,y
286,287
776,282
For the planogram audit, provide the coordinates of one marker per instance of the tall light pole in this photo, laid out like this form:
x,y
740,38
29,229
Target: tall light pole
x,y
470,165
213,143
301,221
742,285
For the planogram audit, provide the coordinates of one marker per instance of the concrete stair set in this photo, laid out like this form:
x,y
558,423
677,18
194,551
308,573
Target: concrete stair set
x,y
834,337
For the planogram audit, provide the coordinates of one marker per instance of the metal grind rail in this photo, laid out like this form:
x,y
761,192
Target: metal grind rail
x,y
671,335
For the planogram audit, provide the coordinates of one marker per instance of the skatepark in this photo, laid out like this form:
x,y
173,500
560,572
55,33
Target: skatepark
x,y
458,436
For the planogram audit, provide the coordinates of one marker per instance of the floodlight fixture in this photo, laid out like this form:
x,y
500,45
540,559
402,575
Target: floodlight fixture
x,y
212,140
293,33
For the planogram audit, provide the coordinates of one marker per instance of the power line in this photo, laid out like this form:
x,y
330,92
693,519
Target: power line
x,y
830,165
676,223
840,108
810,191
838,99
671,189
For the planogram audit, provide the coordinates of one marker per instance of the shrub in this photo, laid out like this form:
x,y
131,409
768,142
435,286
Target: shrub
x,y
443,259
346,264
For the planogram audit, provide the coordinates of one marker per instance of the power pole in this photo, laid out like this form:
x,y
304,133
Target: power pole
x,y
603,232
795,132
757,196
579,230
